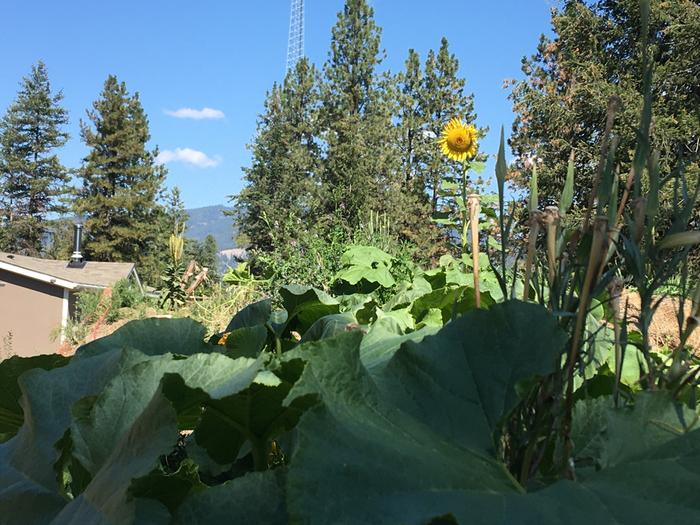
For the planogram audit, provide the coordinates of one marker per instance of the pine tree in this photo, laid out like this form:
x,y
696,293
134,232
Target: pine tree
x,y
412,122
427,99
33,182
595,56
121,183
280,201
174,214
442,98
356,121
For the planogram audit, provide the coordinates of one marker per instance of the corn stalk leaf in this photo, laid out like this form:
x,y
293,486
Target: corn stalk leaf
x,y
534,198
567,193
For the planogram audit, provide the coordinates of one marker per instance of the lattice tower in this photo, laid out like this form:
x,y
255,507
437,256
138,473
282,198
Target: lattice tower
x,y
295,47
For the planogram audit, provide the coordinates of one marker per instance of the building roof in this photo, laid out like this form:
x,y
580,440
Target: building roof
x,y
91,275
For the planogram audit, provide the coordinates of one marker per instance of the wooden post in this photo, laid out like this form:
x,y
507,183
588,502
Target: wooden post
x,y
474,211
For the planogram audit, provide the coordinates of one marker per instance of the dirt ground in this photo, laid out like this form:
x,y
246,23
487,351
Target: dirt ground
x,y
664,325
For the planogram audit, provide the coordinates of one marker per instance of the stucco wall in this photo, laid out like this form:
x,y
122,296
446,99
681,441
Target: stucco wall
x,y
31,311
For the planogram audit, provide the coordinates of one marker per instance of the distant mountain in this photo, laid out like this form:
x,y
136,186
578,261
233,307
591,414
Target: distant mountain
x,y
211,220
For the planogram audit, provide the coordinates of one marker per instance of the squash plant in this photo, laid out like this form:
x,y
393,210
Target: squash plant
x,y
155,425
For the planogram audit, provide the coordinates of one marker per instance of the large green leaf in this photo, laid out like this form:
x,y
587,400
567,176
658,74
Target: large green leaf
x,y
329,326
153,336
407,293
305,305
255,415
11,415
256,498
381,458
252,315
28,484
606,437
384,338
106,500
367,256
247,341
102,397
354,274
366,263
414,440
97,428
450,300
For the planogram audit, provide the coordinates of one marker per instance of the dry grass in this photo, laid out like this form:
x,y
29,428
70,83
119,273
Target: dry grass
x,y
214,311
664,326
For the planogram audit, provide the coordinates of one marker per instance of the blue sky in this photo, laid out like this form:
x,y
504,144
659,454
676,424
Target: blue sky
x,y
225,54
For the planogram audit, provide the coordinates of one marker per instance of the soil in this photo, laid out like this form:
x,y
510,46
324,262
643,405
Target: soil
x,y
664,325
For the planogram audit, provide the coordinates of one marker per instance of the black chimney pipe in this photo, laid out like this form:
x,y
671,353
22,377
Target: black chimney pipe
x,y
76,259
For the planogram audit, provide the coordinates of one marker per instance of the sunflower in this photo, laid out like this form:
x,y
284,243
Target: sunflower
x,y
458,140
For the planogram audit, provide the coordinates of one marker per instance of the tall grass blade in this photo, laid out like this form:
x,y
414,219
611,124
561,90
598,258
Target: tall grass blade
x,y
606,184
534,198
654,185
567,194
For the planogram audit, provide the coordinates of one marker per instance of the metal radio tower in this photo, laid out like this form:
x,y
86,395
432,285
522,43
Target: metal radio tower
x,y
295,48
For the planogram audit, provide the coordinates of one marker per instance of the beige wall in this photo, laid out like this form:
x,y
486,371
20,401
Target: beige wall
x,y
31,311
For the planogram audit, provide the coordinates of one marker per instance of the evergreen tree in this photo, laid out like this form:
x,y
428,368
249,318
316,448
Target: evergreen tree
x,y
174,215
428,99
412,123
595,55
357,125
280,201
330,161
121,183
33,182
442,98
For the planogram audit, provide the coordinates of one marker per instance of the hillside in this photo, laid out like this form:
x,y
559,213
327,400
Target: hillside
x,y
211,220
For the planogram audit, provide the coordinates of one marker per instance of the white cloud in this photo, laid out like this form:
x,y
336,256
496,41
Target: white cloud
x,y
197,114
189,156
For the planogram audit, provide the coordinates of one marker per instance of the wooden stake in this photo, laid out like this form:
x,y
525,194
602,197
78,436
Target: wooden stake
x,y
474,211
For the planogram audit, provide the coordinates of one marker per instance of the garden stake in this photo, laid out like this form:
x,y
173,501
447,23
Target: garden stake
x,y
474,209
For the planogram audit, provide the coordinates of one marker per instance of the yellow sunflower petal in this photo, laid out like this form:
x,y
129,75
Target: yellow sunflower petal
x,y
458,141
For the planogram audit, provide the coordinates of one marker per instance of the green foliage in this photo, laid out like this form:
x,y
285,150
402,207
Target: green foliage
x,y
281,191
92,304
349,155
33,182
11,413
121,183
368,264
126,294
173,293
312,259
406,426
593,61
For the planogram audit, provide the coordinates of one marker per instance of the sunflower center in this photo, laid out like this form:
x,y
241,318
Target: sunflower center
x,y
458,140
